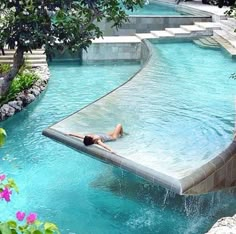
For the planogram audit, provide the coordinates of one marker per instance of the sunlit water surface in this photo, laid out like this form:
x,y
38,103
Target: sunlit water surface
x,y
79,193
179,112
156,9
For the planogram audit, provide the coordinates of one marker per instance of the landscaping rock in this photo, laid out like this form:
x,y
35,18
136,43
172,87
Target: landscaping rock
x,y
27,96
7,111
226,225
16,105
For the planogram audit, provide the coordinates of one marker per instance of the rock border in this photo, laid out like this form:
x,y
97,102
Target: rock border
x,y
224,225
25,97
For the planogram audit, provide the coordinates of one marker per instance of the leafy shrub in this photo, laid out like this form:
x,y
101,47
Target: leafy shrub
x,y
23,81
4,68
3,135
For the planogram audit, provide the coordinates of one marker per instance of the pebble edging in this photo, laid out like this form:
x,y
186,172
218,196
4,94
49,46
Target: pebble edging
x,y
26,97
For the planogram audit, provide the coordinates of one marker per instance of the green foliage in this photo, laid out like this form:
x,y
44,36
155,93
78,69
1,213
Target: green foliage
x,y
31,24
24,80
12,227
11,184
232,11
4,68
3,135
66,24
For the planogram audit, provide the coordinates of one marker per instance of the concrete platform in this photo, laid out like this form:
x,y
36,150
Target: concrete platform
x,y
193,178
178,31
162,34
117,39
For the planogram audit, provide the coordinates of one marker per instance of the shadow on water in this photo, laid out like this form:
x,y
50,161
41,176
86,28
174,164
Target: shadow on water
x,y
210,207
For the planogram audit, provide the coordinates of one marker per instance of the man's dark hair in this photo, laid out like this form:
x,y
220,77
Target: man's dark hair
x,y
88,140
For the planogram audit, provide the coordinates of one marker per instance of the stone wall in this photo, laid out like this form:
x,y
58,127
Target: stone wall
x,y
126,51
25,97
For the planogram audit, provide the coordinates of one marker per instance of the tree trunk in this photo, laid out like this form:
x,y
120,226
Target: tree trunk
x,y
6,81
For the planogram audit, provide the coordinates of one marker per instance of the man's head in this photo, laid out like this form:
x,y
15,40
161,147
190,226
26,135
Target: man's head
x,y
88,140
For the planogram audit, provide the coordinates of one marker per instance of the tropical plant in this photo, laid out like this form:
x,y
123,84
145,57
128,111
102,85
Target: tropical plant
x,y
23,81
219,3
66,24
3,135
4,68
31,225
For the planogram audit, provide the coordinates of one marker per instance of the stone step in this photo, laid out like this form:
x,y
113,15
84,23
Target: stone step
x,y
226,28
145,36
117,39
27,56
228,23
10,61
193,28
197,31
178,32
38,64
208,25
203,45
9,52
232,20
226,45
210,40
162,34
227,36
207,42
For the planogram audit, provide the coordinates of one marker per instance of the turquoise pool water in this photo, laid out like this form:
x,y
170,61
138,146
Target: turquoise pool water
x,y
83,195
156,9
179,111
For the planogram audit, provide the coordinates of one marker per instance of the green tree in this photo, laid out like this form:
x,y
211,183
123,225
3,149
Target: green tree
x,y
31,24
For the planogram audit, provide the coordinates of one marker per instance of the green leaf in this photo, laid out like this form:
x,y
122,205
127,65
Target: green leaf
x,y
3,135
23,228
12,224
37,232
27,232
50,226
12,184
13,231
38,223
48,232
4,228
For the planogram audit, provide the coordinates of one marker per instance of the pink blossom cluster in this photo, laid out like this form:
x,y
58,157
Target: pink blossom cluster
x,y
5,192
30,219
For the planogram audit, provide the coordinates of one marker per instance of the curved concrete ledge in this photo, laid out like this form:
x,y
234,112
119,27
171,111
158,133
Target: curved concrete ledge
x,y
99,153
218,173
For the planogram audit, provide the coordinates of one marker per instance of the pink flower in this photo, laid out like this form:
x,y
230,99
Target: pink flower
x,y
31,218
2,177
6,193
20,215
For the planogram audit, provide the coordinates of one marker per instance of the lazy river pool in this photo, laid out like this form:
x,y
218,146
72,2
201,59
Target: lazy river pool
x,y
83,195
159,9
